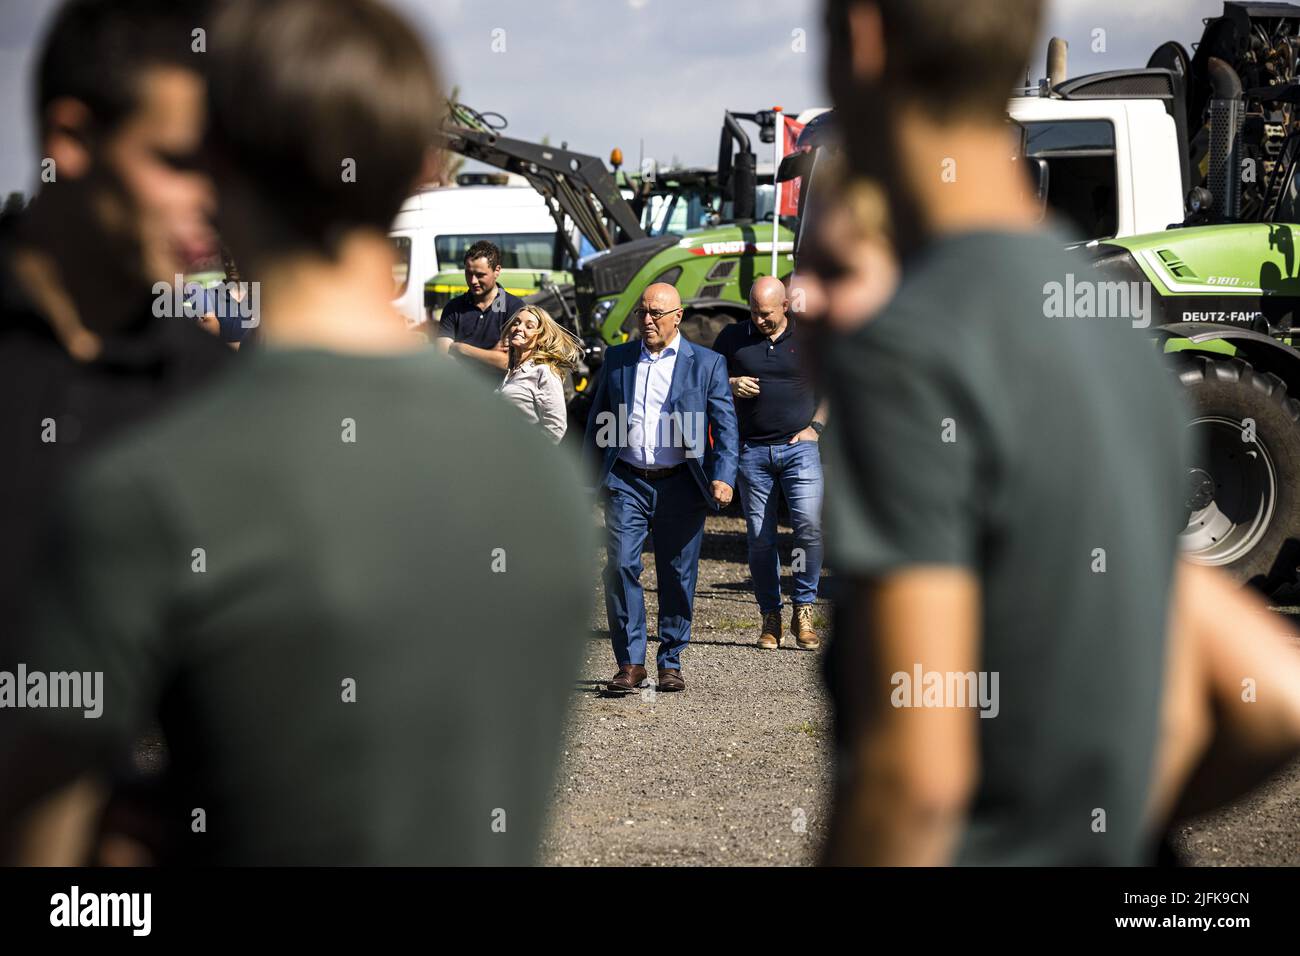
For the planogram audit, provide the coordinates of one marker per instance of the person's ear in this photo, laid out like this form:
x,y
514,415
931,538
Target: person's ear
x,y
866,42
66,137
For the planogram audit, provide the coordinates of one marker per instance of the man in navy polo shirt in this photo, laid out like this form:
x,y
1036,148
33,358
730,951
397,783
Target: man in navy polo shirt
x,y
780,422
471,323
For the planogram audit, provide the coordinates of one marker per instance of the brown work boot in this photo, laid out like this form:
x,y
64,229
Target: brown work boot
x,y
770,639
627,680
801,622
670,680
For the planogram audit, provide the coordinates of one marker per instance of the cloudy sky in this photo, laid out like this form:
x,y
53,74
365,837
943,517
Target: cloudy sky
x,y
605,73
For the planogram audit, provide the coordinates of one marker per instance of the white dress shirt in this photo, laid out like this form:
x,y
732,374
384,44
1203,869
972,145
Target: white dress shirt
x,y
650,434
537,392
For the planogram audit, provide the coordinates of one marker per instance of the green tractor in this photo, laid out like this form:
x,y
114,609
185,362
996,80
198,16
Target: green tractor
x,y
1181,180
1225,286
1223,300
726,243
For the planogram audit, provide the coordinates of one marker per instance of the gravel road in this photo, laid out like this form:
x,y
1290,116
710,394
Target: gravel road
x,y
735,771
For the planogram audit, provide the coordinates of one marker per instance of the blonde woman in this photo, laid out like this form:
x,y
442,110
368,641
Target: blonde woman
x,y
541,354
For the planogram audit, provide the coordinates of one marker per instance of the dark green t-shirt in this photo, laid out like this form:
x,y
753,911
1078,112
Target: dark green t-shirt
x,y
969,429
316,527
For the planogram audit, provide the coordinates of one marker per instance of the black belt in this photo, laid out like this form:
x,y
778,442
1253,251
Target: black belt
x,y
652,474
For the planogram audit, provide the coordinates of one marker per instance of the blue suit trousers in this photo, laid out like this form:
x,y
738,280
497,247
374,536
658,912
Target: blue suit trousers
x,y
673,511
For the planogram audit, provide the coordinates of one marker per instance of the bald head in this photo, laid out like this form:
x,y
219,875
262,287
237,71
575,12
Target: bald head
x,y
767,305
661,297
659,315
768,291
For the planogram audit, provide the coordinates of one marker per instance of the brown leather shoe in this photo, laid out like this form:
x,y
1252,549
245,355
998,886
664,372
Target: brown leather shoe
x,y
670,680
801,622
627,680
770,638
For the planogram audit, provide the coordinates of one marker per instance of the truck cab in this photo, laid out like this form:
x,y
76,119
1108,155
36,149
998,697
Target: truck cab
x,y
1112,164
1110,147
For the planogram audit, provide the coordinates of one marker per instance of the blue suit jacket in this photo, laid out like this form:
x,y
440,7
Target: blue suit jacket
x,y
699,393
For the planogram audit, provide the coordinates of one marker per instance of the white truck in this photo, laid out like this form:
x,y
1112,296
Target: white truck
x,y
436,226
1113,164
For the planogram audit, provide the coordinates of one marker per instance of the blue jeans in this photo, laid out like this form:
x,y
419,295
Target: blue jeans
x,y
673,511
797,469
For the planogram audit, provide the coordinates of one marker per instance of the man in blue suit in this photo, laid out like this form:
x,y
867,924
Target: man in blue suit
x,y
648,436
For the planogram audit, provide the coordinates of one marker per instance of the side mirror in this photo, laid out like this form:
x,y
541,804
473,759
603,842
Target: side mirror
x,y
1199,202
1042,174
794,165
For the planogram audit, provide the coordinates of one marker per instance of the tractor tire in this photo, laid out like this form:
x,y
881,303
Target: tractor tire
x,y
702,328
1243,497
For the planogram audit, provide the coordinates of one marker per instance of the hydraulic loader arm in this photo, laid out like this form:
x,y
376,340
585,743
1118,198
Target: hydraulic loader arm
x,y
576,186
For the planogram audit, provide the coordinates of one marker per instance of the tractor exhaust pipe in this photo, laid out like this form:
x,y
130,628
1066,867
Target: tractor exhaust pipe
x,y
1058,52
1227,111
737,175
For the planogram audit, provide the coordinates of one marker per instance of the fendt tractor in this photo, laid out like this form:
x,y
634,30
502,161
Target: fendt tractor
x,y
712,267
616,247
1178,181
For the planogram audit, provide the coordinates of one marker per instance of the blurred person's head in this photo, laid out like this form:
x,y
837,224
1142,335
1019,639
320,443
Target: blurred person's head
x,y
659,315
119,109
532,333
767,304
917,82
321,117
482,268
228,264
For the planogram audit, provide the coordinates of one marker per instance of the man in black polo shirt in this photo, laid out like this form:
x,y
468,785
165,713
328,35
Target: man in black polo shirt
x,y
780,422
471,323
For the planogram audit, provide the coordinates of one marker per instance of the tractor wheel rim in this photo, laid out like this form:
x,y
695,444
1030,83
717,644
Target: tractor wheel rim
x,y
1231,492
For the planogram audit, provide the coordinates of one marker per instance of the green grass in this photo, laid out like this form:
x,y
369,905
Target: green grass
x,y
735,623
808,728
820,621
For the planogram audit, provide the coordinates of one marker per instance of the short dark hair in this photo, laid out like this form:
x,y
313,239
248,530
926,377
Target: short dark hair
x,y
302,91
95,50
484,250
954,57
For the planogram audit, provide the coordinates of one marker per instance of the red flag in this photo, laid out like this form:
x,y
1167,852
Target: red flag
x,y
790,190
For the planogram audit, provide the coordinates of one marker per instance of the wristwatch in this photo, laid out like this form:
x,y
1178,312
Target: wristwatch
x,y
818,427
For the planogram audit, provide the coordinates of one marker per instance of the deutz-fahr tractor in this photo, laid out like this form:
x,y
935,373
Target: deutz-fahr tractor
x,y
1178,181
